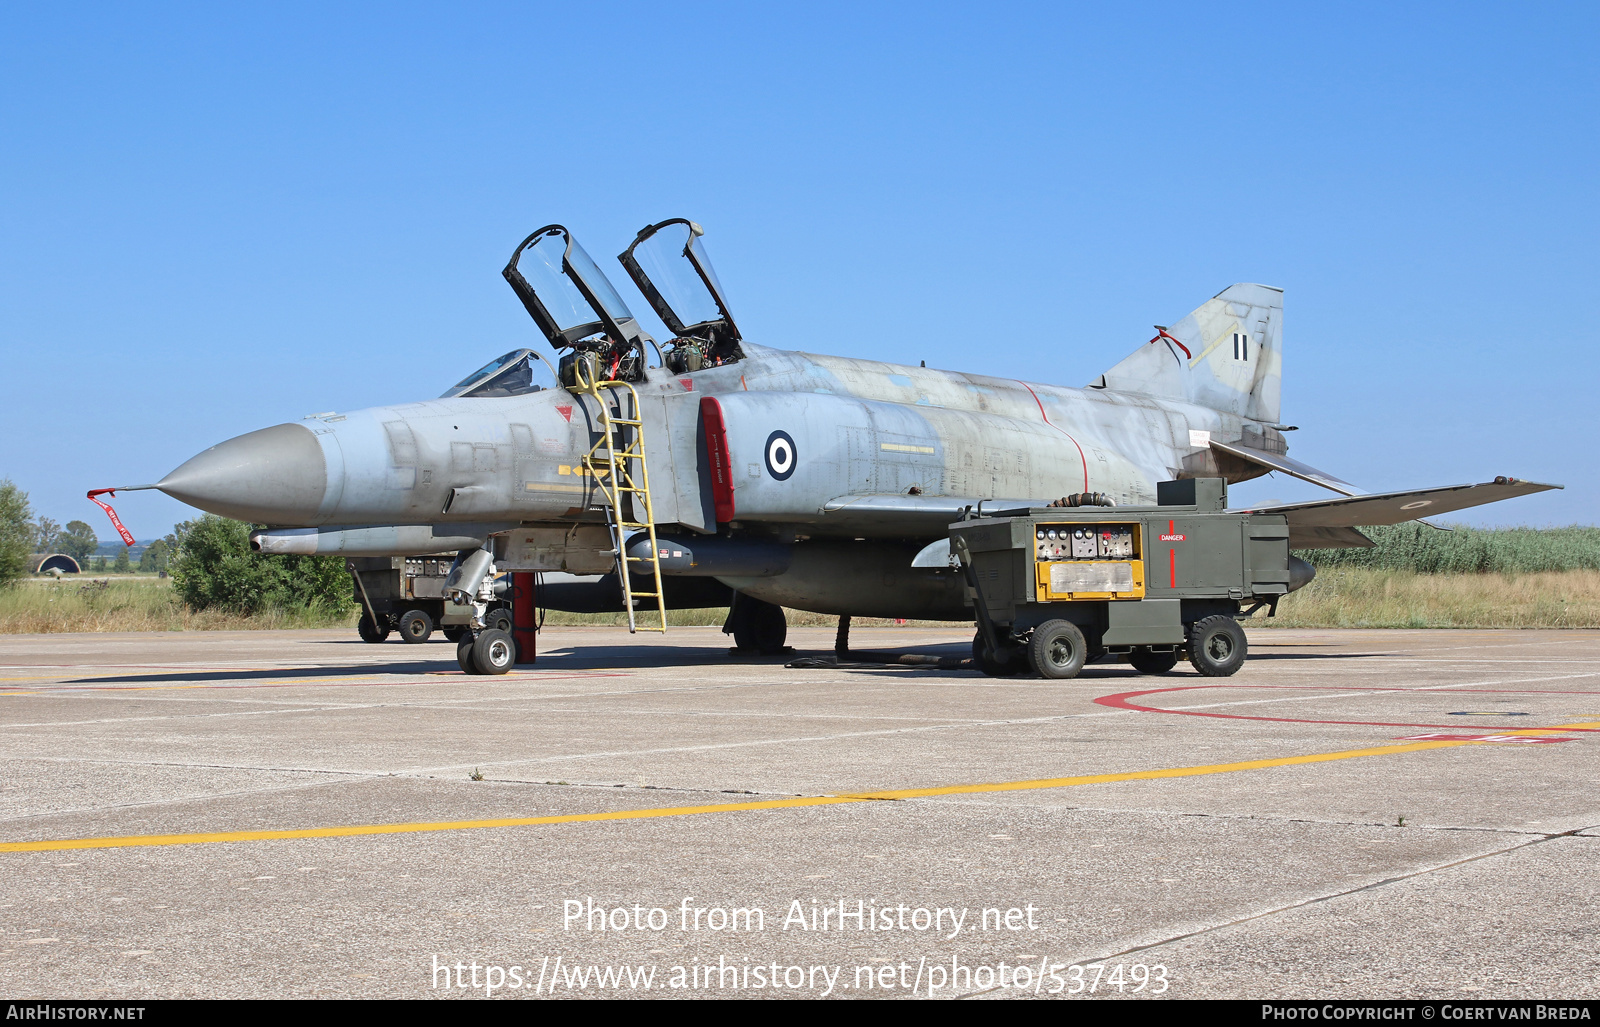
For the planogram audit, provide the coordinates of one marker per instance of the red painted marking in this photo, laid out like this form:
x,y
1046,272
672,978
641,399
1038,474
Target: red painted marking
x,y
717,456
1172,538
565,412
1122,701
688,384
1172,566
116,522
1062,430
1161,333
525,615
1442,736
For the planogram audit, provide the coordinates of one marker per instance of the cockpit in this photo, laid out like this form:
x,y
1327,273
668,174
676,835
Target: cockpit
x,y
584,318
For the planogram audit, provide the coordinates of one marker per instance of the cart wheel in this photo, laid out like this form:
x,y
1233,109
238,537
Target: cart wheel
x,y
499,620
371,632
464,655
415,626
455,632
1217,646
494,652
1014,662
1146,662
1057,649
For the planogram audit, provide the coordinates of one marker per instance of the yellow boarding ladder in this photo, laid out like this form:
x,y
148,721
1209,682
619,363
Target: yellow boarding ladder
x,y
621,473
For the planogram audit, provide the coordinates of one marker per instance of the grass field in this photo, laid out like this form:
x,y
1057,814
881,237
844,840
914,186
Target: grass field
x,y
1366,598
129,603
1463,550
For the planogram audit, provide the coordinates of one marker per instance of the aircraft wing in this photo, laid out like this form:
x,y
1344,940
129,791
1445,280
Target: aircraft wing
x,y
1331,523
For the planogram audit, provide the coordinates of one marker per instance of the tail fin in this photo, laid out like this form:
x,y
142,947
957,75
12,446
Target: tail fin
x,y
1227,355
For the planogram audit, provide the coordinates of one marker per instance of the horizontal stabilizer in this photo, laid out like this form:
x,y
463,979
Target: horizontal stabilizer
x,y
1330,520
1293,468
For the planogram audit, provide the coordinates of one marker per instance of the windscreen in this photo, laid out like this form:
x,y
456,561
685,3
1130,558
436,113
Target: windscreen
x,y
517,377
487,369
662,258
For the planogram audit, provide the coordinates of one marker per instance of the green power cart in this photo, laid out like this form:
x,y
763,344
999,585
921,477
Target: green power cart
x,y
1056,587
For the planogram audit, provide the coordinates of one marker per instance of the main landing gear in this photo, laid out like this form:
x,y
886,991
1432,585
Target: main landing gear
x,y
756,626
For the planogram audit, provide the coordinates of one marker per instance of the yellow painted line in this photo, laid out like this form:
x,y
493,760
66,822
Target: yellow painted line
x,y
895,447
1588,725
130,841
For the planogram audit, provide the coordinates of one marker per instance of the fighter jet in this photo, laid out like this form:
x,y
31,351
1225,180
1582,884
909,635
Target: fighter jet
x,y
708,469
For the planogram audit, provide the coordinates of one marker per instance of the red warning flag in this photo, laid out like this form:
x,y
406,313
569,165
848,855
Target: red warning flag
x,y
116,521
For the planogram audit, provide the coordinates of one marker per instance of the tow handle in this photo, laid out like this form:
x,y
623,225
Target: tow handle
x,y
116,521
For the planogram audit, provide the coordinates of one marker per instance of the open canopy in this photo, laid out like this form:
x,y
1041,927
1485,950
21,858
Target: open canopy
x,y
669,265
566,293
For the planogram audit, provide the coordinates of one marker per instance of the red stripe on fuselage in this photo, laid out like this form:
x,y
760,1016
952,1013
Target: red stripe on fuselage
x,y
1060,429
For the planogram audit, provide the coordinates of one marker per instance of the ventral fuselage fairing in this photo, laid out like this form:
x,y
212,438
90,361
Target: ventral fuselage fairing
x,y
808,480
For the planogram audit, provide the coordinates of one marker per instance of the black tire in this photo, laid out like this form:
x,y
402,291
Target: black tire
x,y
1057,649
1146,662
494,652
1010,663
464,654
371,632
455,632
760,625
1217,646
498,620
415,626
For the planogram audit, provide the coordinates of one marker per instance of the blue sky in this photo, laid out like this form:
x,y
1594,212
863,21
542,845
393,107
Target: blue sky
x,y
219,217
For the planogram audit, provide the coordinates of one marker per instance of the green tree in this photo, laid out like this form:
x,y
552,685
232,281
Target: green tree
x,y
123,565
214,567
45,534
154,558
16,532
78,541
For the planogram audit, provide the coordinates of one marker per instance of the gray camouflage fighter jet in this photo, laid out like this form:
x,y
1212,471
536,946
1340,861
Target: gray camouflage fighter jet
x,y
823,483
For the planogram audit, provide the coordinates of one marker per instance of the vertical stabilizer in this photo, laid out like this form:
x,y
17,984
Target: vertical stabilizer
x,y
1226,355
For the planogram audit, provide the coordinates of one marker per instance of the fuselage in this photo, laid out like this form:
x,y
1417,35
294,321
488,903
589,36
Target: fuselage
x,y
858,428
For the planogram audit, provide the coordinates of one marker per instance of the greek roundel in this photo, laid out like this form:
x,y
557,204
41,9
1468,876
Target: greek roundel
x,y
781,458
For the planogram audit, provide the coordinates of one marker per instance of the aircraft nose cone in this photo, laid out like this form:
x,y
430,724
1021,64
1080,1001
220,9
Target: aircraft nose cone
x,y
274,476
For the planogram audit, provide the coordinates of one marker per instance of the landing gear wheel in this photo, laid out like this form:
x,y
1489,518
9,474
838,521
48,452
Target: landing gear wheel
x,y
464,654
1011,663
1146,662
455,632
1217,646
499,620
760,625
1057,649
415,626
369,631
494,652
